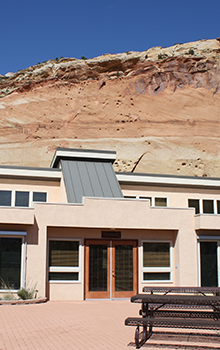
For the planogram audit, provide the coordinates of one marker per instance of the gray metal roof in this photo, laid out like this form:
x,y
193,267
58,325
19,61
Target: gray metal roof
x,y
89,179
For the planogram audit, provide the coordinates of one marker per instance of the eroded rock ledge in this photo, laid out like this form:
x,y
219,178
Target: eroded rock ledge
x,y
196,64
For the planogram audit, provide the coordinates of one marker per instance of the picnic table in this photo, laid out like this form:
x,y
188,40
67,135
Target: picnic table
x,y
178,307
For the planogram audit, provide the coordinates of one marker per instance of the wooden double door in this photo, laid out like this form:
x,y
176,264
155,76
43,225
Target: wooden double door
x,y
110,268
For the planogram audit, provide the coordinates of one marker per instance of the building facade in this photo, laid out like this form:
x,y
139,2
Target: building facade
x,y
78,230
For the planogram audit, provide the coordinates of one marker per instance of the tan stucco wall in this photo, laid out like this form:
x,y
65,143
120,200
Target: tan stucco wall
x,y
177,196
53,188
135,219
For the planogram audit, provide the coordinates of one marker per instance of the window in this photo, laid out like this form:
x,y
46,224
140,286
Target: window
x,y
160,202
10,262
64,260
208,207
39,197
156,261
218,207
194,203
21,199
5,198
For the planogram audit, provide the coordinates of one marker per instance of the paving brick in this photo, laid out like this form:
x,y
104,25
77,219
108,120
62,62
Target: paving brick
x,y
91,324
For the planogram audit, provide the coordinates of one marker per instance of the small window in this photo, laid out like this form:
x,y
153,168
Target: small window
x,y
130,197
39,197
156,261
156,276
21,199
64,253
63,276
156,254
160,202
5,198
194,203
208,207
218,207
64,260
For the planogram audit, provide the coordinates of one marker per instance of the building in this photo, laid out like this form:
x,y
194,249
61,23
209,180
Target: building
x,y
79,230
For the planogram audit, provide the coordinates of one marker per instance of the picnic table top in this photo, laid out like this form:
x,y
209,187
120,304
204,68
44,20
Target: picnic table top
x,y
176,299
202,290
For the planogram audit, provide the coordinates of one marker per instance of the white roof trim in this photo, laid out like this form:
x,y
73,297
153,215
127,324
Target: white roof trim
x,y
16,172
167,180
82,154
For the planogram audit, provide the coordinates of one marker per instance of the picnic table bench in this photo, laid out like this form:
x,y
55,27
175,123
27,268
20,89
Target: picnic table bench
x,y
176,307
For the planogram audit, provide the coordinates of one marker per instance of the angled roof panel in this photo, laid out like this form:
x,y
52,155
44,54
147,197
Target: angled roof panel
x,y
89,178
103,179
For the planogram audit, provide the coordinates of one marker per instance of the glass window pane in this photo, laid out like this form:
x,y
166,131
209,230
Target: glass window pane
x,y
10,262
5,198
208,207
156,276
209,269
194,203
98,267
63,276
21,199
218,207
64,253
39,197
123,267
160,202
156,254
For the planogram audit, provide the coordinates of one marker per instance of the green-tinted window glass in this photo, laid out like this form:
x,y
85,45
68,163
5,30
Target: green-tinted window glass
x,y
160,202
64,253
156,254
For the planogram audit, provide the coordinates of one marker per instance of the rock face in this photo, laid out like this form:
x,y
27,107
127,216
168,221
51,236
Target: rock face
x,y
159,109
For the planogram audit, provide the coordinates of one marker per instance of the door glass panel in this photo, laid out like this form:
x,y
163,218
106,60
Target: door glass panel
x,y
98,267
208,254
123,268
10,262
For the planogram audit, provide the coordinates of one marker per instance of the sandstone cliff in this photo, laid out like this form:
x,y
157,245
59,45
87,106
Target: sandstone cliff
x,y
159,109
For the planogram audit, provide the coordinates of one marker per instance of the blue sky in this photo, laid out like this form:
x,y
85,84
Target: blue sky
x,y
36,30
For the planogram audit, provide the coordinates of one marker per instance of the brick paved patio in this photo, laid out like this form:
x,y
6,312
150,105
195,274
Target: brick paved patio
x,y
95,324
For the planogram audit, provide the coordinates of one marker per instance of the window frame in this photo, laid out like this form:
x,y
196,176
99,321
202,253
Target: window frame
x,y
159,206
156,269
66,268
31,195
201,200
10,191
23,236
214,202
14,199
208,239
